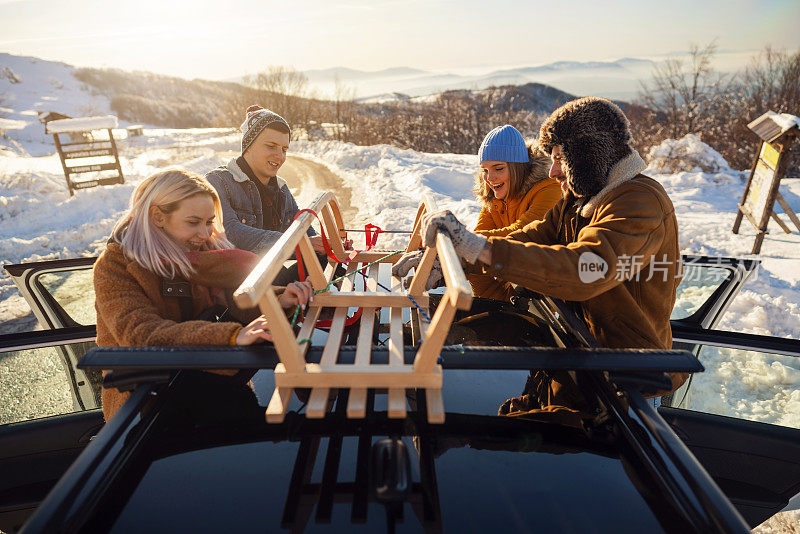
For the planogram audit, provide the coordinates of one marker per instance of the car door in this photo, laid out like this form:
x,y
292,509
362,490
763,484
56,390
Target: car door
x,y
741,417
49,409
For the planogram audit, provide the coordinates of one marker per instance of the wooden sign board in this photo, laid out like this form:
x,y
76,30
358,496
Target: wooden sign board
x,y
762,188
86,146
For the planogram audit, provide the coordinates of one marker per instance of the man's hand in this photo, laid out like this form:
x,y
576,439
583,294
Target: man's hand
x,y
411,260
316,243
467,244
297,293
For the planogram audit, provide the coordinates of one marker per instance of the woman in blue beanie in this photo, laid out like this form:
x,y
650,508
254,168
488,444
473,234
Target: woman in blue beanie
x,y
515,189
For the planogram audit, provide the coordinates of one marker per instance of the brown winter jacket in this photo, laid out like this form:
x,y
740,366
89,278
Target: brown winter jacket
x,y
498,218
132,312
631,226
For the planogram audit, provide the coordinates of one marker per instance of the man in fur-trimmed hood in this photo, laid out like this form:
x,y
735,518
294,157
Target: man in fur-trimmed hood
x,y
610,245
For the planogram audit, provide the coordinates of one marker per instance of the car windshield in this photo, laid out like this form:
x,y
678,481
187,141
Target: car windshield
x,y
210,463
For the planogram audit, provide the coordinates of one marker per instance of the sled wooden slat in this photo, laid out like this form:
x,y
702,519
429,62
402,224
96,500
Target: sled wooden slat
x,y
416,240
278,404
315,273
357,401
434,336
421,275
435,404
318,400
350,376
293,372
368,256
282,334
397,396
332,229
364,298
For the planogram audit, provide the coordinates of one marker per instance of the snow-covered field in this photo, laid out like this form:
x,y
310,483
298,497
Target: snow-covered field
x,y
39,220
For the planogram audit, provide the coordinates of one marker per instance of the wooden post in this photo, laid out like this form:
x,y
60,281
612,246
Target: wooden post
x,y
762,188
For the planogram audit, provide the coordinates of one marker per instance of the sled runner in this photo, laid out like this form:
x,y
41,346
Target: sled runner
x,y
362,268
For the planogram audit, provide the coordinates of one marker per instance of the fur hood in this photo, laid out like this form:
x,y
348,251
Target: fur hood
x,y
594,135
622,171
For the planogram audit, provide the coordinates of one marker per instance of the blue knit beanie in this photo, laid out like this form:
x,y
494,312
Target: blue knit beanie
x,y
504,143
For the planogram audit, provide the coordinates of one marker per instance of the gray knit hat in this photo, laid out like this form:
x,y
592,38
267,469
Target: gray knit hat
x,y
594,134
256,119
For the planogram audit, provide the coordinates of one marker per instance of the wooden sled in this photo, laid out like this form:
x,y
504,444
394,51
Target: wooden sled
x,y
294,372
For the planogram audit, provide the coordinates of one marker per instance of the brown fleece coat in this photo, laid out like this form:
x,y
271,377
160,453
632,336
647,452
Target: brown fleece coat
x,y
498,218
132,312
630,224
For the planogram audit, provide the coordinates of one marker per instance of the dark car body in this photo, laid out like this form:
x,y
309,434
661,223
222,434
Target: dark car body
x,y
191,451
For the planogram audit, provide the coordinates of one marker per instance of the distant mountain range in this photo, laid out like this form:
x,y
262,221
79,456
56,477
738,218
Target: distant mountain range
x,y
618,79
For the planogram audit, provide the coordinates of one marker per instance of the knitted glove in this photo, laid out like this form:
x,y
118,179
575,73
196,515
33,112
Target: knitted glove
x,y
411,260
467,244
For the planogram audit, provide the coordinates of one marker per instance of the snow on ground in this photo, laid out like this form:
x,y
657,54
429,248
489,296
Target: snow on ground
x,y
40,221
29,85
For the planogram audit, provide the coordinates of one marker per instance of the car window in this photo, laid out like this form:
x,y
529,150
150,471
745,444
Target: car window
x,y
746,384
698,284
36,383
73,291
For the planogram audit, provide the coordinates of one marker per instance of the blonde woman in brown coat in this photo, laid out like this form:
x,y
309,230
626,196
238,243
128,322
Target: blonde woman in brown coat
x,y
167,261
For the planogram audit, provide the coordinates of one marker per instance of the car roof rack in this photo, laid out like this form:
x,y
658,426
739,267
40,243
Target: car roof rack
x,y
638,369
451,357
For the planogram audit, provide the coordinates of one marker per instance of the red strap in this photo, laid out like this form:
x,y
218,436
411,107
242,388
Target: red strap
x,y
371,238
371,232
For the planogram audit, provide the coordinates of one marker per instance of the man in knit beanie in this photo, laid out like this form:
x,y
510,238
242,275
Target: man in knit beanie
x,y
609,246
257,206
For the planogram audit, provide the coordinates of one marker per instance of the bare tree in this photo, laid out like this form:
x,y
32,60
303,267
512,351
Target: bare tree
x,y
343,107
285,90
682,90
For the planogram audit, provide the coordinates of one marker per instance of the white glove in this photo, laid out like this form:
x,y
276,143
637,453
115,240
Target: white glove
x,y
467,244
411,260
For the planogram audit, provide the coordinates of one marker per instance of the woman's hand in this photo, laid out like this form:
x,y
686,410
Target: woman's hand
x,y
254,332
297,293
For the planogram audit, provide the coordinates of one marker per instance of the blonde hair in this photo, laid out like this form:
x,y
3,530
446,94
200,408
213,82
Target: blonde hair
x,y
149,245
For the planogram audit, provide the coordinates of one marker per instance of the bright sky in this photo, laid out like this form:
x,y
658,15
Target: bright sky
x,y
220,39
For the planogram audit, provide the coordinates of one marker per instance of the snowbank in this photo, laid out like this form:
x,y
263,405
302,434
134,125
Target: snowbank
x,y
686,154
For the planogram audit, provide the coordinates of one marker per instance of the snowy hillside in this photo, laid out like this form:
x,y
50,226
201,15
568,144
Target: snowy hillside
x,y
29,85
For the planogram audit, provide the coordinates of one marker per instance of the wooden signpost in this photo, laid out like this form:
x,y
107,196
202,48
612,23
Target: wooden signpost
x,y
86,146
761,191
294,372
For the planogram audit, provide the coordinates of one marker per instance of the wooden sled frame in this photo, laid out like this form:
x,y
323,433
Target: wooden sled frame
x,y
294,372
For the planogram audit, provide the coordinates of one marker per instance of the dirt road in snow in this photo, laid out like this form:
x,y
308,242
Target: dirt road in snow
x,y
307,174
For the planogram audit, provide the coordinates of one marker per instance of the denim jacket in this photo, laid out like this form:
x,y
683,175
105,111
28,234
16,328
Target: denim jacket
x,y
242,214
